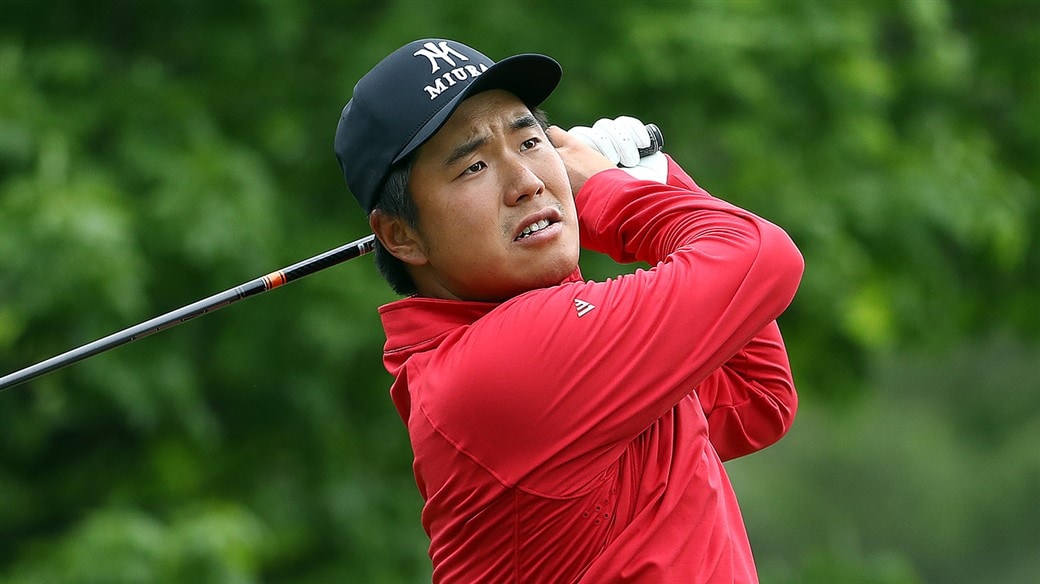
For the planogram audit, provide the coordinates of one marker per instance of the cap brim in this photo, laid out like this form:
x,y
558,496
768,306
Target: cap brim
x,y
530,77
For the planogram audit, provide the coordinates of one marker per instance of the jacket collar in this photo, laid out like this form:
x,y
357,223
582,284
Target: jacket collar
x,y
416,323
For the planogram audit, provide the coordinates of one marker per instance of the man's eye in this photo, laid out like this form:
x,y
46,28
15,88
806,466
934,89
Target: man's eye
x,y
475,167
528,144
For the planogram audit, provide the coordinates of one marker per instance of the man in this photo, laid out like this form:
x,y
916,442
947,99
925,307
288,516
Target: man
x,y
563,430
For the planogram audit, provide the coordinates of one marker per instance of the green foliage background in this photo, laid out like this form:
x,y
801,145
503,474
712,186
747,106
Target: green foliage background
x,y
152,153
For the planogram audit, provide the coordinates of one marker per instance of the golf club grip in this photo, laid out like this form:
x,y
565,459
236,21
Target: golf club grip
x,y
170,319
656,141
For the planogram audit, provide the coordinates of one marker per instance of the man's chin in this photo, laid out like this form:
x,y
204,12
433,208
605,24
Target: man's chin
x,y
555,274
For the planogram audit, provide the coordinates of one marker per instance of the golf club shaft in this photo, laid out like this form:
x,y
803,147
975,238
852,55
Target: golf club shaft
x,y
173,318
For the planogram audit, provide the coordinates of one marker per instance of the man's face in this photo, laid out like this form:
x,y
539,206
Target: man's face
x,y
496,213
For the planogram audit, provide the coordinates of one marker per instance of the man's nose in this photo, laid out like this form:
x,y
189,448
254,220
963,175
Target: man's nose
x,y
522,182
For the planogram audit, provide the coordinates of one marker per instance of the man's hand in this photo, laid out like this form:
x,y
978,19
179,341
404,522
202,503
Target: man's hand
x,y
620,140
581,160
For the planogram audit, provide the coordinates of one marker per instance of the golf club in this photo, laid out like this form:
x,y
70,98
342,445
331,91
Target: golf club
x,y
271,281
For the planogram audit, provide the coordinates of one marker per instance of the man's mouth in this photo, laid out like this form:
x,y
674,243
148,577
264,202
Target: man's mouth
x,y
533,228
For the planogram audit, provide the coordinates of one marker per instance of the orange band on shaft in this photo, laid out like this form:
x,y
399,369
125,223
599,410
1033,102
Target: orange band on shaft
x,y
274,280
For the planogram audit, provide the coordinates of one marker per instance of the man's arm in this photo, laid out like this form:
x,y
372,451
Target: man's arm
x,y
750,401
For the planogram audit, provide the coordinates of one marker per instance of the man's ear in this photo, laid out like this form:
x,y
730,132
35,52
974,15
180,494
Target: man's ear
x,y
399,238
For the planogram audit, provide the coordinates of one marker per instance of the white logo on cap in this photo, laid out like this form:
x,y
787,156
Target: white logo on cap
x,y
441,51
442,83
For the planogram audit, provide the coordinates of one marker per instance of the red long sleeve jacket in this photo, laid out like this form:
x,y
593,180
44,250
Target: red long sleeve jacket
x,y
576,433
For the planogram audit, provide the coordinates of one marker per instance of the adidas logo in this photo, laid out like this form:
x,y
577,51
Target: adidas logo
x,y
583,307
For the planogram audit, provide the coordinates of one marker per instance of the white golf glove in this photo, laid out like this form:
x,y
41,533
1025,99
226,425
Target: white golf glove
x,y
619,140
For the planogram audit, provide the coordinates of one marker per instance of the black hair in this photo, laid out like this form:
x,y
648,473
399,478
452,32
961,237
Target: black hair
x,y
395,199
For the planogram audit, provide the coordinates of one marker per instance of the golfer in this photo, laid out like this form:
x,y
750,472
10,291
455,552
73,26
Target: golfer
x,y
563,430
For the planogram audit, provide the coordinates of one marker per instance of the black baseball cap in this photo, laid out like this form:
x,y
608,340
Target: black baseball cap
x,y
407,97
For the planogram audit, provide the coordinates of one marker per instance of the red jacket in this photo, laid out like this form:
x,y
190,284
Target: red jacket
x,y
576,433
